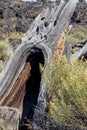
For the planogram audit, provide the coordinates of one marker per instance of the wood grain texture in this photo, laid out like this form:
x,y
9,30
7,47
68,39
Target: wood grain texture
x,y
80,53
48,32
9,118
16,94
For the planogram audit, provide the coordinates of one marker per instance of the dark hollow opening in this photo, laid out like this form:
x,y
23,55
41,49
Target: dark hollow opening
x,y
33,85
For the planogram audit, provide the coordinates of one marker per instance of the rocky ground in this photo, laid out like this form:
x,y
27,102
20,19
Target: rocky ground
x,y
80,15
16,17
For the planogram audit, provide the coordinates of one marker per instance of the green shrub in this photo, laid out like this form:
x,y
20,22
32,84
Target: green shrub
x,y
67,85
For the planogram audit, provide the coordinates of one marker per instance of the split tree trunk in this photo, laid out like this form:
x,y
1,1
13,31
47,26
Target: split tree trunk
x,y
48,33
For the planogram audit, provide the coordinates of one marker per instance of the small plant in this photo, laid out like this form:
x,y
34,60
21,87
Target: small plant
x,y
17,35
77,34
5,52
67,85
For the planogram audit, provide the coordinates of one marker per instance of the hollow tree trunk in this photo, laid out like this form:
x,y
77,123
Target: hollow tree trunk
x,y
48,33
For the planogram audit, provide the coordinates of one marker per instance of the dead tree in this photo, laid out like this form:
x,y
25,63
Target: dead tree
x,y
80,53
47,34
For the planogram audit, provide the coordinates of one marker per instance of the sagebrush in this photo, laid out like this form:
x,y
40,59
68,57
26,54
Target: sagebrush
x,y
67,85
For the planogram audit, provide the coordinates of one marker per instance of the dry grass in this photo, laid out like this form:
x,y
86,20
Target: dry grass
x,y
77,34
68,87
5,52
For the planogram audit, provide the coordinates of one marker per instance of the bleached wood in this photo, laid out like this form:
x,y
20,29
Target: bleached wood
x,y
80,53
47,33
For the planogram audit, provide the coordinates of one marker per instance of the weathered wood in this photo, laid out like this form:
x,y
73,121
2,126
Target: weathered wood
x,y
30,40
48,33
9,118
68,50
80,53
55,42
13,99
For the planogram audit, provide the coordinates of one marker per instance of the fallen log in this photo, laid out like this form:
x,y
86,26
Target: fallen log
x,y
79,54
47,35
